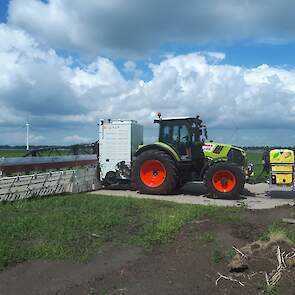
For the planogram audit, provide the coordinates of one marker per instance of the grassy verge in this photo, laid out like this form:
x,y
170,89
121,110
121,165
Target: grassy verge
x,y
12,153
255,157
76,226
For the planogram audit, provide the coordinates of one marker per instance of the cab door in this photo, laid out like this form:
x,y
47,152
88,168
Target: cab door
x,y
178,136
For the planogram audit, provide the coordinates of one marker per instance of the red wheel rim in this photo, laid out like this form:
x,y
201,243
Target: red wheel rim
x,y
224,181
152,173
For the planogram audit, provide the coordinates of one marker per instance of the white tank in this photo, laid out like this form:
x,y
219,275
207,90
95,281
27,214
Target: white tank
x,y
118,142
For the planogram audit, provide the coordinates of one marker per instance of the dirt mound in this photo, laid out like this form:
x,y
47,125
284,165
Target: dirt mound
x,y
250,255
272,260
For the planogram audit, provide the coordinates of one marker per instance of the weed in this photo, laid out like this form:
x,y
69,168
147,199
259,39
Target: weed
x,y
217,256
206,237
243,205
269,290
230,254
278,231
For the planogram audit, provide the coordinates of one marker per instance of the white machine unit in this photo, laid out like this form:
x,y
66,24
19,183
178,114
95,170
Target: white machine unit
x,y
118,142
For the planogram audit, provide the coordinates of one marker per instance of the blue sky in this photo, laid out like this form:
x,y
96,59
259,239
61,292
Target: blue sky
x,y
3,10
232,62
246,53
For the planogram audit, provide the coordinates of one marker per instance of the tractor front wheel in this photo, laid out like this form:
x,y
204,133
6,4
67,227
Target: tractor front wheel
x,y
224,180
154,172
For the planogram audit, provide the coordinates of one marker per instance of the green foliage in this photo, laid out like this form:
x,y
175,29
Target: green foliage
x,y
255,157
269,290
217,255
11,153
243,205
230,254
206,237
76,226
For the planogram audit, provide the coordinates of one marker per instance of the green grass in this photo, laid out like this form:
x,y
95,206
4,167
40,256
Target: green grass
x,y
12,153
217,256
62,227
278,229
255,157
268,290
206,237
271,290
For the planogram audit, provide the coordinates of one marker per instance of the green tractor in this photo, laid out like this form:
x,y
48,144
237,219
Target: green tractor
x,y
181,155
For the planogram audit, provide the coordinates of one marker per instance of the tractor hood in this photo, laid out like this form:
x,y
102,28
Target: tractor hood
x,y
209,146
223,151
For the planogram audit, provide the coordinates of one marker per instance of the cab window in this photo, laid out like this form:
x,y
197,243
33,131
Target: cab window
x,y
175,133
183,134
166,133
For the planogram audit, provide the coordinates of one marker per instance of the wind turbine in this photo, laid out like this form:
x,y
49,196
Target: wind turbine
x,y
28,135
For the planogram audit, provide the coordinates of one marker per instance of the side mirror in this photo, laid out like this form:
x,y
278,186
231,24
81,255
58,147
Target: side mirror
x,y
204,132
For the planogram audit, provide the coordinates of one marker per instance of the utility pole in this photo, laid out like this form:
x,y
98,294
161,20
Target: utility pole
x,y
28,130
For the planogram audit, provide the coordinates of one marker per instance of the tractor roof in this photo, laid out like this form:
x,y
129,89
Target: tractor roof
x,y
176,119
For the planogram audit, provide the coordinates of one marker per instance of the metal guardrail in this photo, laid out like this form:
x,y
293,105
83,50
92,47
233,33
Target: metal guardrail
x,y
85,180
45,184
41,160
14,165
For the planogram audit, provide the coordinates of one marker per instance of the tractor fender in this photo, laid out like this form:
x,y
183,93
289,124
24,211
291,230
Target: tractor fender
x,y
208,164
161,147
211,163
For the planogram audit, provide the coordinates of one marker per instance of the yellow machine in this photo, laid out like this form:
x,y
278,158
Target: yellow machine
x,y
281,169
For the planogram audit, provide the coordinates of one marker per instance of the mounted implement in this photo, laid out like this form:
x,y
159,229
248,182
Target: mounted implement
x,y
281,170
181,155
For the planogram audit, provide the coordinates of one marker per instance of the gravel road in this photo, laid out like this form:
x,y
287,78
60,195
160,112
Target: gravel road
x,y
256,196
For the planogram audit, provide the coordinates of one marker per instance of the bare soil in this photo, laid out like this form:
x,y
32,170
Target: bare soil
x,y
187,265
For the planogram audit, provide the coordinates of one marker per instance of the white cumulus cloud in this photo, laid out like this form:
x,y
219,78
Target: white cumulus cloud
x,y
60,97
135,27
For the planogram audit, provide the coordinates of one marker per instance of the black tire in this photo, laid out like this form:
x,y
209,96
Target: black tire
x,y
180,184
171,180
232,169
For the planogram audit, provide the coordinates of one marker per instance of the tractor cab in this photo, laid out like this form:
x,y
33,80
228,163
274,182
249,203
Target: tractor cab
x,y
185,135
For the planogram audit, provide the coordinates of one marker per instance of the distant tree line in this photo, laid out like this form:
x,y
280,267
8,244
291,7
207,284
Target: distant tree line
x,y
32,147
270,147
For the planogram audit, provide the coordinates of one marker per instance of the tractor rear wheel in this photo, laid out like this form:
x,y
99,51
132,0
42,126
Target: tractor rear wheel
x,y
154,172
224,180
